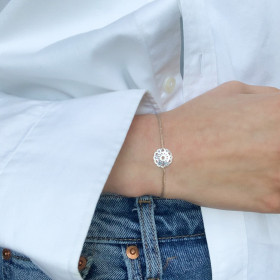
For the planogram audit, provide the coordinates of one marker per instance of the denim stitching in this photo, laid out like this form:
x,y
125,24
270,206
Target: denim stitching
x,y
154,236
145,238
116,239
139,239
21,258
140,270
182,236
132,269
134,265
127,262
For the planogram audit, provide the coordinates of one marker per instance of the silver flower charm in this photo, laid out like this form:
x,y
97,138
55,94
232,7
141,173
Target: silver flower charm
x,y
162,157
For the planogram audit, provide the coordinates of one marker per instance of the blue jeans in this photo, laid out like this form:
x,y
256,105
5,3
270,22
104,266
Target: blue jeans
x,y
143,238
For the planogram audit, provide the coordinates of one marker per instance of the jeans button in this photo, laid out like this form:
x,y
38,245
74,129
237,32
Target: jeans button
x,y
82,263
6,254
132,252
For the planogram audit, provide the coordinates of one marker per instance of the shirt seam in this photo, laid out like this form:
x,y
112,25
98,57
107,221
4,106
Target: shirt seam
x,y
144,43
25,136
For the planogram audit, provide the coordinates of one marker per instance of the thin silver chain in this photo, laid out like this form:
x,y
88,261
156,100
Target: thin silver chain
x,y
162,145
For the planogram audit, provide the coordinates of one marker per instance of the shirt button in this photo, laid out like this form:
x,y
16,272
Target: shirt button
x,y
132,252
6,254
82,263
169,85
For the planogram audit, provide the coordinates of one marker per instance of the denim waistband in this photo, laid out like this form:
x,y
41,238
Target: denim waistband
x,y
116,218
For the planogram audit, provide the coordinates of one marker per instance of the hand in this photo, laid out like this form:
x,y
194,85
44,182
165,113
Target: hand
x,y
226,147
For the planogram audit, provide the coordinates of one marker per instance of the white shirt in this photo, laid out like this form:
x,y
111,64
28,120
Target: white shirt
x,y
72,76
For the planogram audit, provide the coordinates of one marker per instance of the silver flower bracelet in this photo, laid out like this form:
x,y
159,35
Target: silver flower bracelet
x,y
162,156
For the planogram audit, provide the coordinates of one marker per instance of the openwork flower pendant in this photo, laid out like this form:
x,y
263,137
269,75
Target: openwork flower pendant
x,y
162,157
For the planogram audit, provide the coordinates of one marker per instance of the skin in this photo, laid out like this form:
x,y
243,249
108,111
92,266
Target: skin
x,y
226,148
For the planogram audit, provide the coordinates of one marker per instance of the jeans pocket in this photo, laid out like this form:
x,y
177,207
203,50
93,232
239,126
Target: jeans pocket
x,y
18,266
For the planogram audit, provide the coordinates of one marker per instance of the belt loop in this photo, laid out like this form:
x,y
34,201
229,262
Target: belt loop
x,y
145,208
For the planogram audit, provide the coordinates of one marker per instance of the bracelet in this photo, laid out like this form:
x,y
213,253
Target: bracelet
x,y
162,156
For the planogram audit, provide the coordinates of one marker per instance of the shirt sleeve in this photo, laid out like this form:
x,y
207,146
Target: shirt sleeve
x,y
55,159
71,80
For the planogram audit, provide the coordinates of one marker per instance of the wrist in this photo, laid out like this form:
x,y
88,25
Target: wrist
x,y
179,173
134,172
